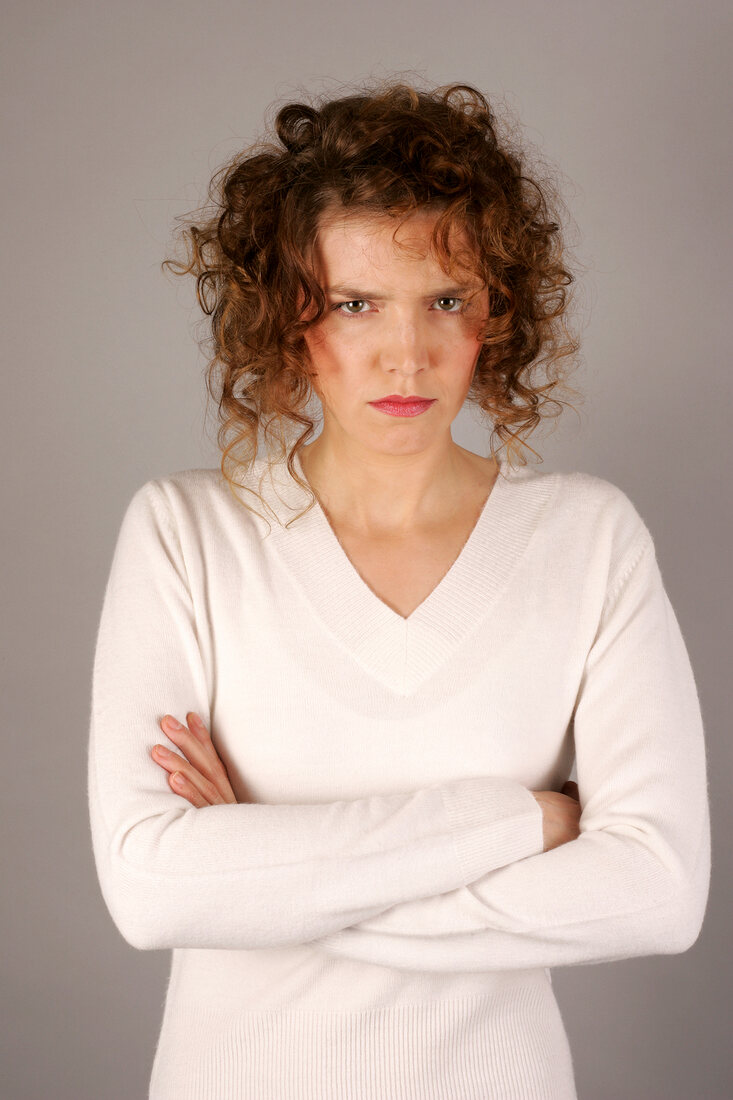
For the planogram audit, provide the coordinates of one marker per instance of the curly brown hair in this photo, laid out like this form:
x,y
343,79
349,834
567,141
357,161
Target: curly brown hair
x,y
388,149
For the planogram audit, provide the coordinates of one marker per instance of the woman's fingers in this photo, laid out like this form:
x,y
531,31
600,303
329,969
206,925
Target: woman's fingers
x,y
187,742
560,817
193,780
218,772
182,786
570,788
201,733
201,765
215,769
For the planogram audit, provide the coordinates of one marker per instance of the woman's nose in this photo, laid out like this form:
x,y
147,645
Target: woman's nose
x,y
407,344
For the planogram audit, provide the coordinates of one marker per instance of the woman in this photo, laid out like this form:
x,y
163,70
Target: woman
x,y
386,689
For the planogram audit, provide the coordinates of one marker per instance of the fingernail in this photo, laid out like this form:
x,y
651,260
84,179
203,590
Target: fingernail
x,y
172,722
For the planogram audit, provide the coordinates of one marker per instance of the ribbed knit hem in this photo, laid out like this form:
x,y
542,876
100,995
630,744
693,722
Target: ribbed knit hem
x,y
508,1046
495,820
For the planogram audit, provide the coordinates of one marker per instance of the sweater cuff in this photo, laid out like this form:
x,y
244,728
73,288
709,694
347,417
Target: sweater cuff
x,y
494,821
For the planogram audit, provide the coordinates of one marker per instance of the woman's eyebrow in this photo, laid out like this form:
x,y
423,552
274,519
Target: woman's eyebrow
x,y
355,294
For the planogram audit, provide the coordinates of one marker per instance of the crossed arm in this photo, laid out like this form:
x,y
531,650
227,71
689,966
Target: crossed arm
x,y
456,877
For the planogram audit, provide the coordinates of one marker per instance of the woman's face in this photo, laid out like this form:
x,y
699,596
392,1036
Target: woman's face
x,y
395,324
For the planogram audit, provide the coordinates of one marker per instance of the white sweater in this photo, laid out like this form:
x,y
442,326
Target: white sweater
x,y
375,919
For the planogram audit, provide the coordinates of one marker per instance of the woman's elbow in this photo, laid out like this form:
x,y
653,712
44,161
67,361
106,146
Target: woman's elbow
x,y
143,937
139,920
685,910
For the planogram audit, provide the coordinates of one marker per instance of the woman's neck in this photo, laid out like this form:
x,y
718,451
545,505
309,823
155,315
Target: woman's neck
x,y
396,494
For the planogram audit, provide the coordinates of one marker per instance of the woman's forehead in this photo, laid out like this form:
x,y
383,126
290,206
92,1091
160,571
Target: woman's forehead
x,y
362,221
365,239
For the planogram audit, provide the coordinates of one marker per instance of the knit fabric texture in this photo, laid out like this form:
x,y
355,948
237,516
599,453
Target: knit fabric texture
x,y
376,919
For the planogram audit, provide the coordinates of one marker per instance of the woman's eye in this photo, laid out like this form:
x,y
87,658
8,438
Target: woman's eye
x,y
359,306
449,305
345,307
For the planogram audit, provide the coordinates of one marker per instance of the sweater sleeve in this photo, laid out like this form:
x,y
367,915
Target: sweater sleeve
x,y
636,880
248,875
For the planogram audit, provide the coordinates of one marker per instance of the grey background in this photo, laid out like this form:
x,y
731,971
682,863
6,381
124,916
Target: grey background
x,y
115,117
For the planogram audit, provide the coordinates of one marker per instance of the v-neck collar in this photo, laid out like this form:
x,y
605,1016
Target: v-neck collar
x,y
401,653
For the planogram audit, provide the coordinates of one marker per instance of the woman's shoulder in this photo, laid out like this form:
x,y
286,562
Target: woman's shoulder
x,y
578,490
192,482
599,513
189,487
600,496
197,497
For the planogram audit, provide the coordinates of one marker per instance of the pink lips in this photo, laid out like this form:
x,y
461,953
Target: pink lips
x,y
394,405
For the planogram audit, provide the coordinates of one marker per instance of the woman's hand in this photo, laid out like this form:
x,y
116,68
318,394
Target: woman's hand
x,y
560,815
200,775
